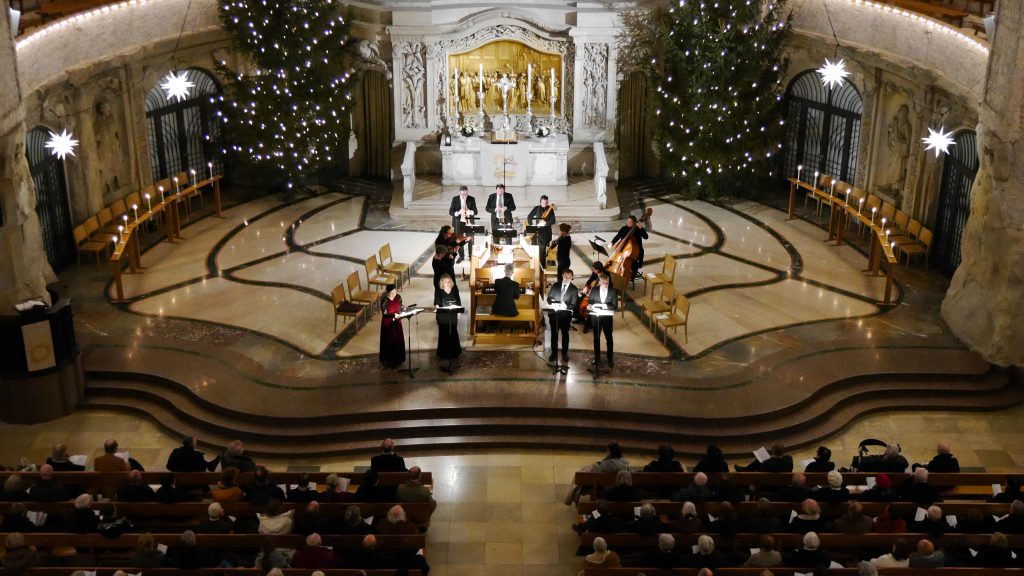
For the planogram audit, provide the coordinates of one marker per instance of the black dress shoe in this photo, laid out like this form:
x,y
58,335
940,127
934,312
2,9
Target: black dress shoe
x,y
611,363
552,358
565,357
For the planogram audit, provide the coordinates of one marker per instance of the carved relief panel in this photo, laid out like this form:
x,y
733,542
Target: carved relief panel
x,y
411,58
595,85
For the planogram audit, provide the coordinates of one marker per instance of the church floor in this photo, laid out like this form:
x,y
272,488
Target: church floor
x,y
499,512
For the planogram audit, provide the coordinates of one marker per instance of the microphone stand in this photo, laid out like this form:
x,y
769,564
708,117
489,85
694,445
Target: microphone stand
x,y
410,370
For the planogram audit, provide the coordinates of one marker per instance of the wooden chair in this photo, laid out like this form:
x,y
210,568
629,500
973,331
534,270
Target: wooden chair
x,y
812,196
887,211
666,276
105,219
899,223
358,295
913,230
388,264
92,230
873,202
856,195
922,246
373,274
619,283
84,244
134,199
344,307
679,316
652,306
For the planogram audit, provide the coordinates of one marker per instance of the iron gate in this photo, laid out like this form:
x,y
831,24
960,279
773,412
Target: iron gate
x,y
958,172
823,128
185,135
52,205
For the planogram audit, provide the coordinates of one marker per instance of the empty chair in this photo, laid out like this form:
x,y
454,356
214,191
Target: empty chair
x,y
374,276
84,244
105,219
666,276
922,246
357,294
344,307
913,230
653,306
388,264
679,316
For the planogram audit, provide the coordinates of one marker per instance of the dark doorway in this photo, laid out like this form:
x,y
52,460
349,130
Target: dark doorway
x,y
52,204
634,131
958,172
823,128
377,131
185,135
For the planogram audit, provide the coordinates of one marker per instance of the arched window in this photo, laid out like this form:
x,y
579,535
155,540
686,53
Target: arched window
x,y
958,172
52,205
185,134
823,127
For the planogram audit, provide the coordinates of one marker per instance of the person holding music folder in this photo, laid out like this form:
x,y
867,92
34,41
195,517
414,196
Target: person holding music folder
x,y
596,269
603,297
563,246
392,337
640,234
447,295
542,216
506,292
500,205
443,263
566,293
462,210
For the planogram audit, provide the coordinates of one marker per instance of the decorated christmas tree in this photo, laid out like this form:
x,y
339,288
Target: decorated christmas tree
x,y
716,69
286,113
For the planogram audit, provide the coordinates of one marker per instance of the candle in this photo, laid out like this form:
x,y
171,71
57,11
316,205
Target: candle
x,y
114,240
892,246
832,191
456,91
552,88
125,218
177,188
529,81
883,221
210,165
873,215
861,206
160,189
815,183
149,207
120,229
193,171
798,169
135,209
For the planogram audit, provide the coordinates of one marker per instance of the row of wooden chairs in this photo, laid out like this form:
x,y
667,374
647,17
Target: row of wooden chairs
x,y
670,310
912,238
349,299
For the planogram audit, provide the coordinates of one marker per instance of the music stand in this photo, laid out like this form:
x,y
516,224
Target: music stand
x,y
596,314
409,312
457,309
553,309
502,232
598,249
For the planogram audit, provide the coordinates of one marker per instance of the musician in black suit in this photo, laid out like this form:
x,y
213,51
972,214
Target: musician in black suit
x,y
463,207
545,222
506,292
566,293
603,296
563,246
500,205
640,234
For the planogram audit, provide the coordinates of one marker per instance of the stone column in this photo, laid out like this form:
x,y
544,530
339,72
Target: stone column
x,y
24,269
985,303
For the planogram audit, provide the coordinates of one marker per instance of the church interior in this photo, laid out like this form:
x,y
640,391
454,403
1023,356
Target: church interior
x,y
160,279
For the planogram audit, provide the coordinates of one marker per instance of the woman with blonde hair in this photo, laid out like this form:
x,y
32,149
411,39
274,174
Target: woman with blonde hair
x,y
602,557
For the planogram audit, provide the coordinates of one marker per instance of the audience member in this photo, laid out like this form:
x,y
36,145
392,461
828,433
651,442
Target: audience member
x,y
934,523
891,461
726,523
59,460
227,489
943,461
82,519
1012,492
604,522
369,490
648,522
882,491
665,462
919,491
854,521
623,490
927,556
766,555
109,461
234,457
665,557
368,557
601,557
777,461
696,491
387,460
726,491
413,490
46,489
15,519
713,461
215,522
146,553
810,555
133,490
310,521
809,520
187,556
261,490
337,489
822,461
898,557
866,569
314,555
689,522
396,522
835,492
707,556
169,493
1013,523
764,521
18,558
996,554
304,491
612,462
270,557
975,522
15,488
186,458
796,491
275,520
352,523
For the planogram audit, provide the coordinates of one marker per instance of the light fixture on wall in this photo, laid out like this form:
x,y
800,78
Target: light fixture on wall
x,y
62,144
938,140
177,86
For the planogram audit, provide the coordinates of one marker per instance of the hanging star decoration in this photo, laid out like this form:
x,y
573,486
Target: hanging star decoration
x,y
938,140
62,144
177,86
833,73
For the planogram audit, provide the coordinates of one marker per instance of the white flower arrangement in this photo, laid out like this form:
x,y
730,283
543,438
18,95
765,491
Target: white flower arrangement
x,y
467,130
543,131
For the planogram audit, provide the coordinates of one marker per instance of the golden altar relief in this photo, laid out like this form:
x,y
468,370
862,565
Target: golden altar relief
x,y
504,58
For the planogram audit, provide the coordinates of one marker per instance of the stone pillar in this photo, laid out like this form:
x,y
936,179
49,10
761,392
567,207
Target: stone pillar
x,y
24,269
985,303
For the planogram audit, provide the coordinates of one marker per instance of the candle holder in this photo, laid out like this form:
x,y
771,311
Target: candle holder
x,y
798,169
873,210
135,210
860,206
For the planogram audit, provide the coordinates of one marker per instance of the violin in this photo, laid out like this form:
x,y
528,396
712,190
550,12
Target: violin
x,y
584,302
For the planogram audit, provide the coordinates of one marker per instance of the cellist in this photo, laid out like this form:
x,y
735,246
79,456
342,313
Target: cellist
x,y
640,234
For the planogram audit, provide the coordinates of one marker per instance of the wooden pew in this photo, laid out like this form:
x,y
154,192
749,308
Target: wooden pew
x,y
749,509
789,571
92,542
627,542
109,571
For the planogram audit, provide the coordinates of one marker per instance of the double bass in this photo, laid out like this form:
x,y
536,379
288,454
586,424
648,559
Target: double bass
x,y
626,252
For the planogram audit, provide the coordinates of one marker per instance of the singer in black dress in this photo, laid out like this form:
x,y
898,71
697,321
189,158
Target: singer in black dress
x,y
449,345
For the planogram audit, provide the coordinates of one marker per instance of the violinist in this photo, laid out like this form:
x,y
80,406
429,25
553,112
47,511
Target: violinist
x,y
640,234
463,211
596,269
563,245
543,216
443,264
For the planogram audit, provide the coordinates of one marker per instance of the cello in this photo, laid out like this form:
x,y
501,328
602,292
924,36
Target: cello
x,y
626,252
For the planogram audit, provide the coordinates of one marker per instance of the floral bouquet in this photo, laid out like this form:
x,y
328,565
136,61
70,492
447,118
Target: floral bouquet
x,y
543,131
467,130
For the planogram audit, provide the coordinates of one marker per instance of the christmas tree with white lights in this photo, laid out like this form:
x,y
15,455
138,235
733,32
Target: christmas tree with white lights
x,y
716,71
286,113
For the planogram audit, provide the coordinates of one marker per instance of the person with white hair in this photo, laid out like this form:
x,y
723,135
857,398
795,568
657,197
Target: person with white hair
x,y
696,491
943,461
215,522
934,523
18,558
82,519
187,556
314,555
689,522
835,492
809,519
811,555
602,557
396,522
927,556
707,556
866,569
919,491
648,523
1013,523
623,491
234,456
666,556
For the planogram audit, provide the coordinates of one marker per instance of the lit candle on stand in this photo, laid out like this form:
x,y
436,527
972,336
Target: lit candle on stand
x,y
798,169
456,92
832,191
120,229
193,171
860,207
529,81
149,207
177,189
814,184
114,240
160,189
125,218
210,166
883,221
552,86
873,215
135,210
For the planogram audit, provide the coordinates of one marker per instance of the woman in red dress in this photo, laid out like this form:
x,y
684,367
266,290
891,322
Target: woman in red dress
x,y
392,338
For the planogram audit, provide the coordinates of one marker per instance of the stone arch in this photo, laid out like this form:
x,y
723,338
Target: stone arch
x,y
185,134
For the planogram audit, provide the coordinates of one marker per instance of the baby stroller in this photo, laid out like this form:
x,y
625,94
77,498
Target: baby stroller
x,y
864,460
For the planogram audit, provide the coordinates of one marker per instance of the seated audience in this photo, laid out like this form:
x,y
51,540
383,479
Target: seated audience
x,y
927,556
882,491
275,520
648,523
186,458
889,522
59,460
796,491
46,489
612,461
713,461
315,555
707,556
943,461
822,461
810,555
665,462
996,554
310,521
227,489
766,555
891,461
304,491
188,556
689,522
854,521
604,522
835,492
18,558
387,460
369,490
765,521
146,553
170,493
934,523
726,491
1013,523
778,461
215,522
919,491
601,557
623,490
1012,492
270,557
696,491
726,524
82,519
975,522
234,457
396,522
665,557
352,523
15,519
261,490
413,490
809,520
109,461
15,489
898,557
866,569
134,490
368,557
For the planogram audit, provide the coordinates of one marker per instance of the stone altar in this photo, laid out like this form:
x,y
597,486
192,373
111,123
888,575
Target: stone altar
x,y
533,161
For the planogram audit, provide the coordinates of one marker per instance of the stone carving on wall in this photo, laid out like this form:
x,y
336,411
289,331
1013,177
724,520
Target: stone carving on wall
x,y
414,84
438,55
894,161
595,85
109,134
369,58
